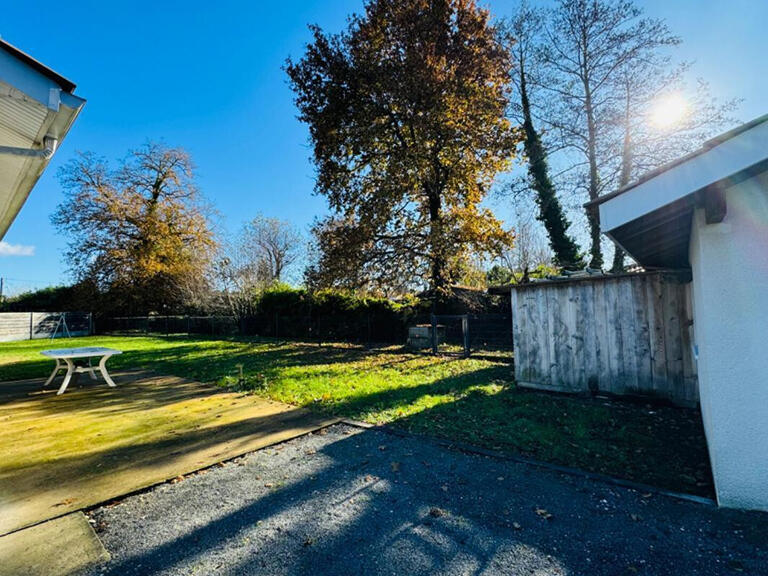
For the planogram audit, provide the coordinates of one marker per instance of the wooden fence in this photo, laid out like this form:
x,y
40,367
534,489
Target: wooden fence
x,y
32,325
623,335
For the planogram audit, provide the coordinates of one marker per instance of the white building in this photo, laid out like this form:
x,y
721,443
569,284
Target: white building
x,y
37,109
708,211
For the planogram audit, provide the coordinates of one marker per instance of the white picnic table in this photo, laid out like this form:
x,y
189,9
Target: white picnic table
x,y
65,358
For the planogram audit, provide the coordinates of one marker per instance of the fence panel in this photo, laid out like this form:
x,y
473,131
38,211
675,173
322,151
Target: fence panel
x,y
457,334
16,326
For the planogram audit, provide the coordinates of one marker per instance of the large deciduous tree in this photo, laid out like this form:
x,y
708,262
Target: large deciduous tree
x,y
138,231
588,43
406,112
522,35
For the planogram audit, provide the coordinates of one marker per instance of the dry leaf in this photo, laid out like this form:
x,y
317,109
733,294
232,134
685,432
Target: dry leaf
x,y
543,513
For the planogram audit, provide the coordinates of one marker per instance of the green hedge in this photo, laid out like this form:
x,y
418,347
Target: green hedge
x,y
332,315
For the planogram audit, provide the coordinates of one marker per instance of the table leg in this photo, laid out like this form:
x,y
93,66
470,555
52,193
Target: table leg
x,y
104,373
67,377
92,370
53,374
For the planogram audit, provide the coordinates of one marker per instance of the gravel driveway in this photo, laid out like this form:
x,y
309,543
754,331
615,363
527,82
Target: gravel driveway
x,y
352,501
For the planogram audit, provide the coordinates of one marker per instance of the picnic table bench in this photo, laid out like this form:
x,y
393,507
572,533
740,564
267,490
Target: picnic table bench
x,y
66,358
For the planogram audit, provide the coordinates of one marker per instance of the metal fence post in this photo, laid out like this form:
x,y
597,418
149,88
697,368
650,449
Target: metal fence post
x,y
433,318
31,323
465,334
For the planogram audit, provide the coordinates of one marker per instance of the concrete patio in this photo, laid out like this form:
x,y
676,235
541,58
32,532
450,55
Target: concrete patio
x,y
95,443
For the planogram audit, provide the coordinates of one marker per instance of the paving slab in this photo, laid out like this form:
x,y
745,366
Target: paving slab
x,y
95,443
58,547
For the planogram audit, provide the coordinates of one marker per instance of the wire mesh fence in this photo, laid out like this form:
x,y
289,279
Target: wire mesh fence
x,y
138,325
455,335
465,335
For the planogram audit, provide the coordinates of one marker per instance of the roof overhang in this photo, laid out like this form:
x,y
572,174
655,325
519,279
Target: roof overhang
x,y
651,218
37,109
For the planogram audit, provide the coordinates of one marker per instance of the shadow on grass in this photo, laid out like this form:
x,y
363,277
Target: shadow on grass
x,y
660,446
209,359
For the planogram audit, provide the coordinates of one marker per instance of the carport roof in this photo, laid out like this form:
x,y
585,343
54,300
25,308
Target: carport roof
x,y
651,218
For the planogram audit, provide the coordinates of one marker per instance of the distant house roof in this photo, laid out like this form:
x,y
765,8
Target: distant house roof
x,y
37,109
651,217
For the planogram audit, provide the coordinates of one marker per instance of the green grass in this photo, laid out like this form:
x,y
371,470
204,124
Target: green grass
x,y
468,400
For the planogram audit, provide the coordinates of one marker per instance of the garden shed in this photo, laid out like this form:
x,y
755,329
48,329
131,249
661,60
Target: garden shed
x,y
625,334
707,213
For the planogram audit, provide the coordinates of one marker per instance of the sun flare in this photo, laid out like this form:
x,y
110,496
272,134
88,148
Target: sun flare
x,y
669,110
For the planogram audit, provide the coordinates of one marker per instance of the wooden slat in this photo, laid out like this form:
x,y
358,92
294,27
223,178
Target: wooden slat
x,y
642,335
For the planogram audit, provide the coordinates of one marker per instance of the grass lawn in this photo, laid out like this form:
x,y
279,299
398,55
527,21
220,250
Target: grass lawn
x,y
468,400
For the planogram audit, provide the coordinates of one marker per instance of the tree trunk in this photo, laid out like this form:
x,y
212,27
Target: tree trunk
x,y
626,172
593,214
438,279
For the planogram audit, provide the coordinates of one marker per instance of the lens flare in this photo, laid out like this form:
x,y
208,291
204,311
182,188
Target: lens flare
x,y
669,111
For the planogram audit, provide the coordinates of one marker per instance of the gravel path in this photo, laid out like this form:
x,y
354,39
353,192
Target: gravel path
x,y
351,501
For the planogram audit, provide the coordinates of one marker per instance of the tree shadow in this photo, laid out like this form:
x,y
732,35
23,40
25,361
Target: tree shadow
x,y
437,512
196,361
624,440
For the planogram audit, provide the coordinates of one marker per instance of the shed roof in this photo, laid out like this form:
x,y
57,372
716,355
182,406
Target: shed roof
x,y
651,217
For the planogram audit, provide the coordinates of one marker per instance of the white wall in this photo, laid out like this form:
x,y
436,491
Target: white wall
x,y
729,262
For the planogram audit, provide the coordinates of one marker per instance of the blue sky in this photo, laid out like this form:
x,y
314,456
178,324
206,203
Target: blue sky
x,y
207,76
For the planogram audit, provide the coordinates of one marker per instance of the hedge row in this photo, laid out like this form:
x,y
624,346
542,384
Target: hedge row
x,y
329,315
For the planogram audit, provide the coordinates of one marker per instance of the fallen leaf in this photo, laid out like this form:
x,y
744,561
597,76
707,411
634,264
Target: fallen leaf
x,y
543,513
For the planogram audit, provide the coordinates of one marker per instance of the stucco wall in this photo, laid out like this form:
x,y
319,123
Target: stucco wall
x,y
729,263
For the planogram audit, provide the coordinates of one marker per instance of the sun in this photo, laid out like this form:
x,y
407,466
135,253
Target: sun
x,y
669,110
